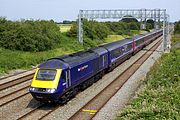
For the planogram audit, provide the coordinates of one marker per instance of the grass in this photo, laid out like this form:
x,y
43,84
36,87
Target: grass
x,y
65,27
10,60
136,32
175,39
159,96
112,38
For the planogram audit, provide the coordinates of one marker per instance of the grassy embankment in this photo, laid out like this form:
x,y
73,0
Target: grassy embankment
x,y
159,96
24,60
10,60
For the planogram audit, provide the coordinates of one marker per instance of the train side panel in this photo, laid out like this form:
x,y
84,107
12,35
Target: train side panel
x,y
118,52
82,72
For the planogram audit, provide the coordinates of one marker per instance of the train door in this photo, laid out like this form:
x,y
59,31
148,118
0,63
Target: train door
x,y
66,79
134,45
104,60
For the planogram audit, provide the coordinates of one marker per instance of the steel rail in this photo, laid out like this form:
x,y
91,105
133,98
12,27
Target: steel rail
x,y
16,81
13,98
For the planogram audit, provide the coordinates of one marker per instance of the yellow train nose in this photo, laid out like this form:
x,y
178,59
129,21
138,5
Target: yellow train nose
x,y
45,82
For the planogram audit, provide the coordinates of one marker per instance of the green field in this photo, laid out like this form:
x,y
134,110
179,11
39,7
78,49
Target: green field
x,y
159,96
65,27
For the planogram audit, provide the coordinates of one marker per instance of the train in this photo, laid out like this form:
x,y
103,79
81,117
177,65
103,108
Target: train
x,y
59,79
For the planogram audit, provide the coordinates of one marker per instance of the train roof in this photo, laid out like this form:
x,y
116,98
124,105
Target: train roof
x,y
99,50
114,45
138,37
77,58
52,64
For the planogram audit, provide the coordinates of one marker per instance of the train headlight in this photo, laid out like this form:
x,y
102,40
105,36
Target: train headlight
x,y
31,89
51,90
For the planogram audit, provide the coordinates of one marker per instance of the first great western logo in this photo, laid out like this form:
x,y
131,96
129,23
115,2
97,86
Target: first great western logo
x,y
82,68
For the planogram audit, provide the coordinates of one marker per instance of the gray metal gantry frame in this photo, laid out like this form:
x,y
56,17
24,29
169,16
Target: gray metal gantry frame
x,y
142,14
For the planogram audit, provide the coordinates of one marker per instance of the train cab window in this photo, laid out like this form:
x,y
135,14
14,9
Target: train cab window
x,y
46,74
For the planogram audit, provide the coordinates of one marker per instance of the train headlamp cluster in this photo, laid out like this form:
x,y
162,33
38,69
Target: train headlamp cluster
x,y
51,90
48,90
32,89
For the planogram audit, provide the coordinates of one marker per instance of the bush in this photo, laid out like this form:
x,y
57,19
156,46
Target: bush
x,y
88,43
73,31
29,35
92,29
134,26
150,23
177,28
130,19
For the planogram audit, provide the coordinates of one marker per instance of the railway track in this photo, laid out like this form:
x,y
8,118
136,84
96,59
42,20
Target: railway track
x,y
13,96
11,81
6,83
16,74
89,110
40,111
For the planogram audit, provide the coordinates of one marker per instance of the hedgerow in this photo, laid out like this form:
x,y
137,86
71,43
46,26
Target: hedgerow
x,y
100,30
29,35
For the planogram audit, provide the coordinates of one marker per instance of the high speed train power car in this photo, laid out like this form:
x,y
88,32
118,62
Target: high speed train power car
x,y
59,79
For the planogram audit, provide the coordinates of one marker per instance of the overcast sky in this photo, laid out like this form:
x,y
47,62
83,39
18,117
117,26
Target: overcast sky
x,y
60,10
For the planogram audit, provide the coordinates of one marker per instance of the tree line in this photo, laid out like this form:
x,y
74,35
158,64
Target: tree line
x,y
41,35
99,30
28,35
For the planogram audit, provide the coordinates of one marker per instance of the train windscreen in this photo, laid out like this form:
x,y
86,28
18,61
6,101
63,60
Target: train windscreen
x,y
46,74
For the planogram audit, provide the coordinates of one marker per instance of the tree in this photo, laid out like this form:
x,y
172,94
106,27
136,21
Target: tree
x,y
151,22
29,35
133,26
128,19
177,27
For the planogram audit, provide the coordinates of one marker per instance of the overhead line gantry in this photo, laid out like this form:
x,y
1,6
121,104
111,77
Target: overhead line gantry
x,y
142,14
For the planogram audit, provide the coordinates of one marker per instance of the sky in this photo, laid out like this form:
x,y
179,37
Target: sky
x,y
59,10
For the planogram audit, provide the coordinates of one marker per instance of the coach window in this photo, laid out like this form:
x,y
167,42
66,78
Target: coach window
x,y
129,46
125,48
118,52
121,51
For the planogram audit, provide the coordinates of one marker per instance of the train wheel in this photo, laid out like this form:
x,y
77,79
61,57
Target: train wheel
x,y
75,91
101,74
83,86
63,100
